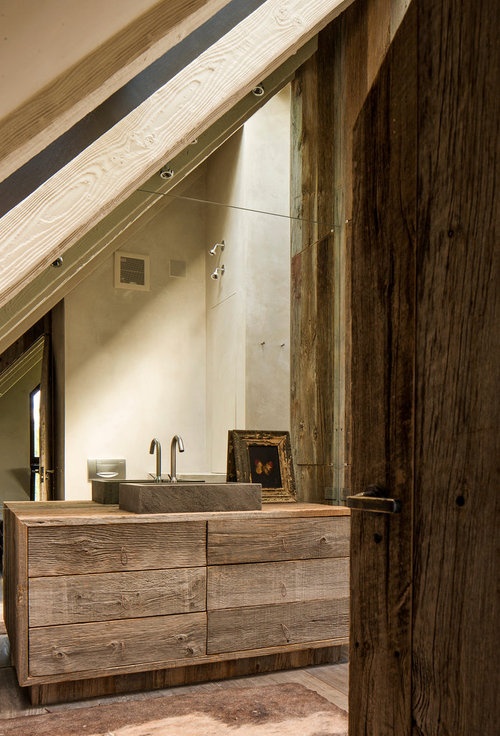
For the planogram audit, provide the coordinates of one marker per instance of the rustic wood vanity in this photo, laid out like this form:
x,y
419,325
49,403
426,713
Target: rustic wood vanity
x,y
99,601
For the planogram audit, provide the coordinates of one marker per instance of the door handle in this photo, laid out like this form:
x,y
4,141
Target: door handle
x,y
374,499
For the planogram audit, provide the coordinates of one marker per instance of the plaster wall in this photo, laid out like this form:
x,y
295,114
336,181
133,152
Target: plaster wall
x,y
248,322
135,360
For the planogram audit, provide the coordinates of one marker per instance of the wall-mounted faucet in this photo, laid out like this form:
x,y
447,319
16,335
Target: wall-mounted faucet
x,y
155,446
176,442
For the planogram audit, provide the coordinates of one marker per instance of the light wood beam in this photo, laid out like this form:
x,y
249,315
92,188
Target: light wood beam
x,y
26,131
63,209
111,233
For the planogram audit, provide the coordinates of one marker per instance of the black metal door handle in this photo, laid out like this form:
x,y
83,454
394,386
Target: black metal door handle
x,y
374,499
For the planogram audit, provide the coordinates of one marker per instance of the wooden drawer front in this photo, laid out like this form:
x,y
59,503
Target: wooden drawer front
x,y
102,646
74,550
116,595
256,627
231,586
280,539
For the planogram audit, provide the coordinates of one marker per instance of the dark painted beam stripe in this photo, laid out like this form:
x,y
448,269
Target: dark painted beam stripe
x,y
41,167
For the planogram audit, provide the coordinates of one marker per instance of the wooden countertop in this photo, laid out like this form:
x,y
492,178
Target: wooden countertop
x,y
36,513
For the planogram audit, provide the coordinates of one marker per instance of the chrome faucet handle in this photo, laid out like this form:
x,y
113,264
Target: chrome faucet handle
x,y
156,446
176,442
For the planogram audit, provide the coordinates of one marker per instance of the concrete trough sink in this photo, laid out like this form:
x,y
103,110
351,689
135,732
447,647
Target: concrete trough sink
x,y
171,498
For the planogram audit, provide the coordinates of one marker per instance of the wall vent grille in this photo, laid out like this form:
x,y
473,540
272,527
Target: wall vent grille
x,y
131,271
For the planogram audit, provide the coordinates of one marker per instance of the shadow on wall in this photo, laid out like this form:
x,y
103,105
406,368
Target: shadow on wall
x,y
22,478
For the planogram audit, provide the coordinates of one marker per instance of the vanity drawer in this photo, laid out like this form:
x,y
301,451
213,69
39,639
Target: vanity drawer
x,y
101,647
96,548
277,539
257,627
70,599
232,586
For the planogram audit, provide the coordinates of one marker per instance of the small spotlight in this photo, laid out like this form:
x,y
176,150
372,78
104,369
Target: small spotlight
x,y
259,91
57,263
166,172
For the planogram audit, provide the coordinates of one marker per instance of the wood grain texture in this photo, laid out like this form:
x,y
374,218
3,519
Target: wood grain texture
x,y
77,550
126,220
456,605
177,676
81,88
15,593
328,94
59,650
270,583
87,513
255,627
60,211
383,307
290,539
110,596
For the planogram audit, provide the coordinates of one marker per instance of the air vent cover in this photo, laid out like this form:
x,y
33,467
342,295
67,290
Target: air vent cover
x,y
131,271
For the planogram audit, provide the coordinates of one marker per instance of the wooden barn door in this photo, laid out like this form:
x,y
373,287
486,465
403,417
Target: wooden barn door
x,y
383,327
425,381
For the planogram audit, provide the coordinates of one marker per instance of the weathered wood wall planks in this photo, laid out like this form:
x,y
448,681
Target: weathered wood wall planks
x,y
457,498
328,93
382,263
425,379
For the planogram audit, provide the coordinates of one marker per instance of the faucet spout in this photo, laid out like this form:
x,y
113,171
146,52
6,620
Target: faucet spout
x,y
156,447
176,443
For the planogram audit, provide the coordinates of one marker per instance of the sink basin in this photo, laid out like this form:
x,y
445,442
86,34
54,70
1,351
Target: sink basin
x,y
189,497
107,490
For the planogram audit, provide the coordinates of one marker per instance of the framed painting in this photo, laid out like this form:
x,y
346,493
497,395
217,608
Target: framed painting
x,y
254,456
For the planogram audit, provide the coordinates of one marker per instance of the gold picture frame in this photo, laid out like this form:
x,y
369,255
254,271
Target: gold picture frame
x,y
255,456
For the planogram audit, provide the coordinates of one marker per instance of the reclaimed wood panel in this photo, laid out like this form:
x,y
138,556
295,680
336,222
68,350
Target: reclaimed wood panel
x,y
264,583
85,598
69,550
15,594
456,604
104,645
383,310
253,627
219,668
286,539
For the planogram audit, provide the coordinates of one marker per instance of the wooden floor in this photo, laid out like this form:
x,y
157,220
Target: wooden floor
x,y
330,681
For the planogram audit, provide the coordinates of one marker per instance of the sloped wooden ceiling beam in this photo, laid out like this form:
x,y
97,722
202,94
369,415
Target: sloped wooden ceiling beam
x,y
38,230
27,130
113,231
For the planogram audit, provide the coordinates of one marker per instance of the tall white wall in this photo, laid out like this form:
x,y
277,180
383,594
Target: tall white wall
x,y
248,322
